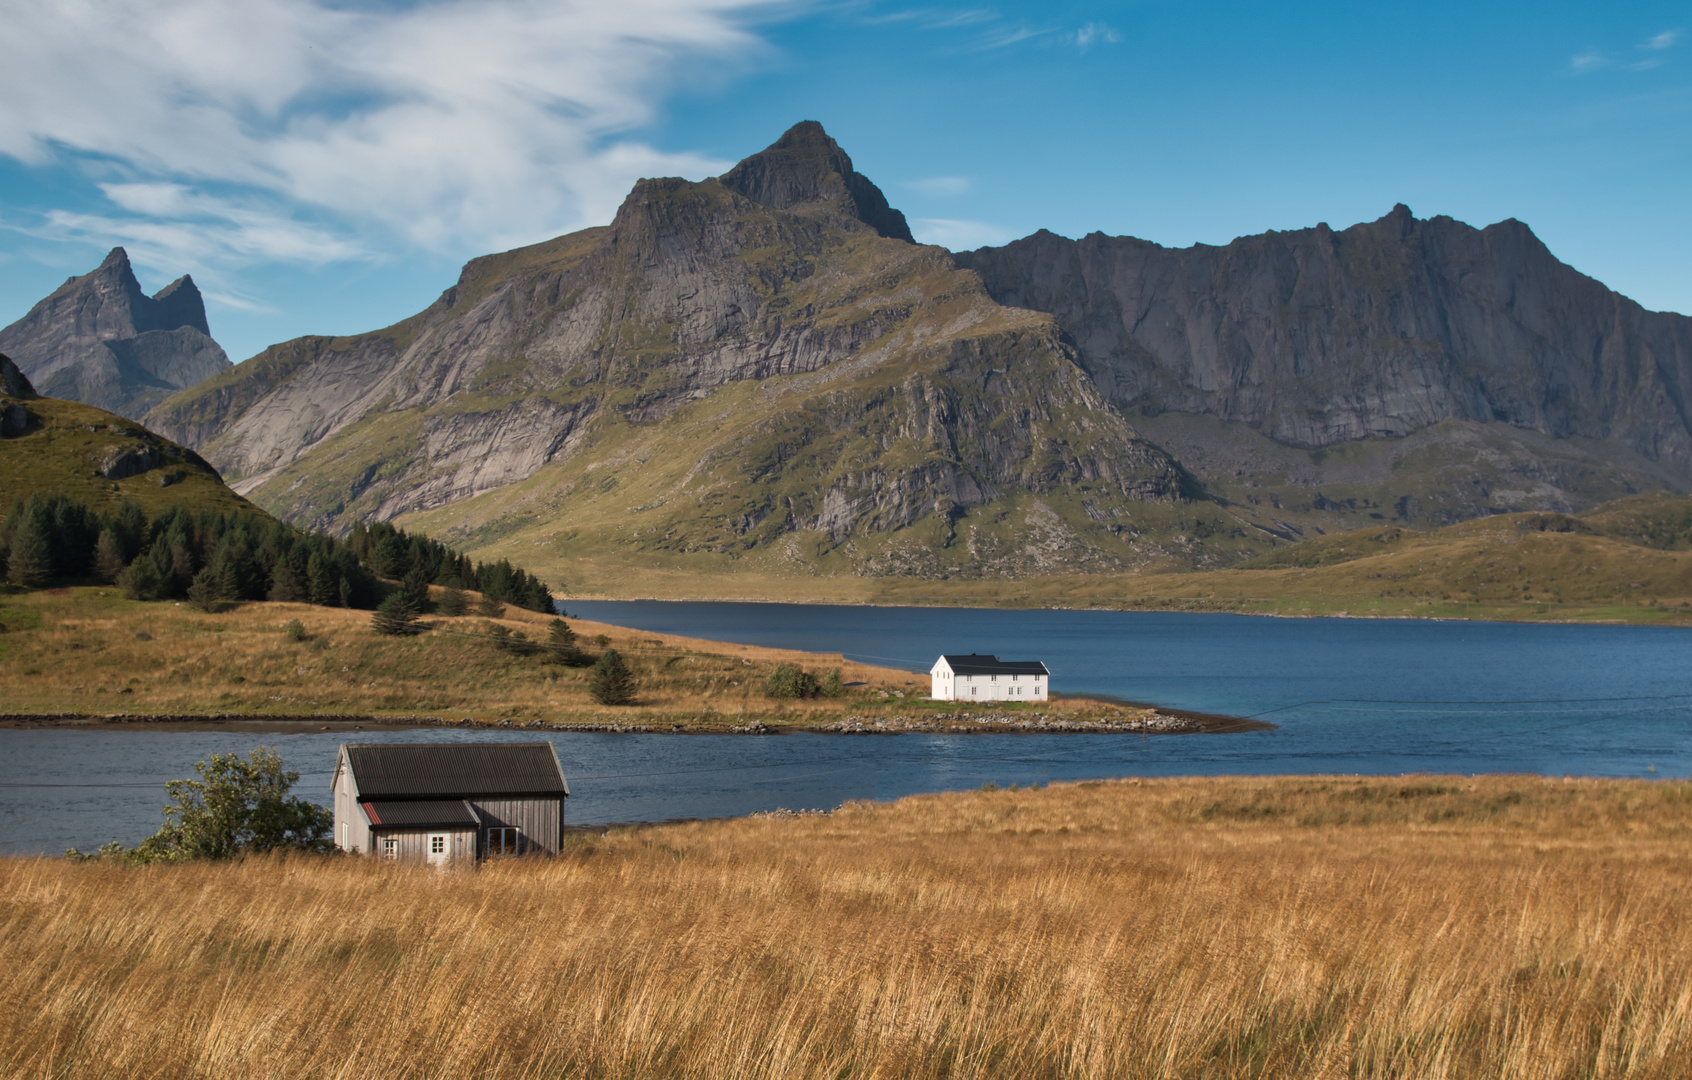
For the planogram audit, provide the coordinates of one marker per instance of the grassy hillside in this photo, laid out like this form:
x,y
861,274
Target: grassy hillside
x,y
89,651
1211,929
68,444
1628,561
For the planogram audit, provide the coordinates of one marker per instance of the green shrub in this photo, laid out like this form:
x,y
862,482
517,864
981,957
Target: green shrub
x,y
832,686
788,681
489,608
453,602
294,630
561,645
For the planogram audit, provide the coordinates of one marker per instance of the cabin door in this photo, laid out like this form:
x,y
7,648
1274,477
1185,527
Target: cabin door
x,y
438,851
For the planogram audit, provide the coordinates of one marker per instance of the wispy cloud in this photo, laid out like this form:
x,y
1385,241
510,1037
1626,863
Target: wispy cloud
x,y
1592,60
941,186
1095,34
989,30
958,235
297,129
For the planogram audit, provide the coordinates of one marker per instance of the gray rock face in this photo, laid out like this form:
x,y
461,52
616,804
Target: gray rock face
x,y
888,386
13,382
806,166
1317,338
99,339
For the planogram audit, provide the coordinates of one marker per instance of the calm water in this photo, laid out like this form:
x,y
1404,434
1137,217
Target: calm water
x,y
1350,696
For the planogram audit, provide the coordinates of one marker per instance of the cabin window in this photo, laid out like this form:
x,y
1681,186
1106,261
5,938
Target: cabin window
x,y
437,845
390,847
502,841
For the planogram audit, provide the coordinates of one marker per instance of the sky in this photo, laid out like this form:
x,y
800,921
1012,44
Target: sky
x,y
326,166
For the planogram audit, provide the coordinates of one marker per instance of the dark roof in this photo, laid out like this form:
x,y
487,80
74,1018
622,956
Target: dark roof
x,y
455,770
418,813
979,664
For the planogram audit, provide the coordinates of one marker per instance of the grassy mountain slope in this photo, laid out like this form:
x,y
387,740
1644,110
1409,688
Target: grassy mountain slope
x,y
100,458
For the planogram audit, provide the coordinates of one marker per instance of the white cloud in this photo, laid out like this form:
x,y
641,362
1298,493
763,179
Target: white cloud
x,y
941,186
1589,61
958,235
284,129
1666,39
1094,34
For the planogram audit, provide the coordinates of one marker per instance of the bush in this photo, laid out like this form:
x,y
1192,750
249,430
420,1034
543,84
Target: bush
x,y
294,630
788,681
832,686
611,682
235,807
489,608
207,591
396,617
602,640
140,580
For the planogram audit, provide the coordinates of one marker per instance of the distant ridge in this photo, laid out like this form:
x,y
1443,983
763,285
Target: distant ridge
x,y
100,340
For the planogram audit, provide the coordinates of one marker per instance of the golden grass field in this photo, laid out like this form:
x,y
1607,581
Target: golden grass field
x,y
1422,927
78,651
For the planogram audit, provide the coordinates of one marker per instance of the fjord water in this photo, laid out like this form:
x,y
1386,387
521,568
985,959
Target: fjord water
x,y
1348,695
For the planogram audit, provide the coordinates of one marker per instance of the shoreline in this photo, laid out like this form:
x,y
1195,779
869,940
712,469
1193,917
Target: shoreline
x,y
1162,721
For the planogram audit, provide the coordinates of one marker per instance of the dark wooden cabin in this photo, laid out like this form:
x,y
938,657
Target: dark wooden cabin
x,y
448,802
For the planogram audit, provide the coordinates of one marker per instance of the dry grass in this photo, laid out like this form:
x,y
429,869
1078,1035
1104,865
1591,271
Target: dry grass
x,y
80,650
1425,927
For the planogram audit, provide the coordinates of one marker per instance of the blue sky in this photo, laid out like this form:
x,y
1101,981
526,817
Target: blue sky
x,y
325,166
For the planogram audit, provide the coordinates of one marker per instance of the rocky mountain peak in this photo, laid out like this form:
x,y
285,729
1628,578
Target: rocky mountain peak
x,y
805,165
101,340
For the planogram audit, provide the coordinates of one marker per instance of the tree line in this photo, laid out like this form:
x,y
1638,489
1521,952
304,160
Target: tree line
x,y
211,556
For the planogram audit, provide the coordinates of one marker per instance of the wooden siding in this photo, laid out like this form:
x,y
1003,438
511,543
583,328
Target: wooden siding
x,y
539,820
414,843
352,828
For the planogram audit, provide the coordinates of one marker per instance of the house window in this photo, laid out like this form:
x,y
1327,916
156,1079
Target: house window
x,y
502,841
437,845
390,847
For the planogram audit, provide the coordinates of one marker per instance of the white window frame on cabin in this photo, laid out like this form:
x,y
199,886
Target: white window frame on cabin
x,y
390,847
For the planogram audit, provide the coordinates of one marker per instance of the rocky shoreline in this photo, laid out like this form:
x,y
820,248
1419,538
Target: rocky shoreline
x,y
947,723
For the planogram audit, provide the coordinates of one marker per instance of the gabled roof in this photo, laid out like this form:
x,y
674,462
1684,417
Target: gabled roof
x,y
455,770
981,664
421,813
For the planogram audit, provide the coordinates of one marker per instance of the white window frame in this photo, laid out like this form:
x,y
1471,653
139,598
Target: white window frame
x,y
390,847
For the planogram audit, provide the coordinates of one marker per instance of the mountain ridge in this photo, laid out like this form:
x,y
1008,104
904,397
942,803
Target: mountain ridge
x,y
101,340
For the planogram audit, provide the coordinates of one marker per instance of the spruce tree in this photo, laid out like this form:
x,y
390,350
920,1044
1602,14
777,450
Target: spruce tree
x,y
396,617
30,561
284,583
611,682
416,588
209,589
320,583
561,644
489,608
108,556
453,602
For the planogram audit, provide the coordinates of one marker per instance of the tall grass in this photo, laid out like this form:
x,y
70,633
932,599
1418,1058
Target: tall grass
x,y
1428,928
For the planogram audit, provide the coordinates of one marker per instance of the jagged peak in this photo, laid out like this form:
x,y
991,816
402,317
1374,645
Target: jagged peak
x,y
806,165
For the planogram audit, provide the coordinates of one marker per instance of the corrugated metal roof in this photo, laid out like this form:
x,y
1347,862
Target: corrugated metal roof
x,y
980,664
455,770
418,813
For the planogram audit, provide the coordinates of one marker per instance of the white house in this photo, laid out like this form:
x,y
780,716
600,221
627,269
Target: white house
x,y
974,677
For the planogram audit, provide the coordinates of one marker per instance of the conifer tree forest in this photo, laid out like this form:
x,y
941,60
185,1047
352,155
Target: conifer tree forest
x,y
209,556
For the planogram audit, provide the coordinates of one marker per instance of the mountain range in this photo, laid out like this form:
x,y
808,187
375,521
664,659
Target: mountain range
x,y
100,340
761,373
